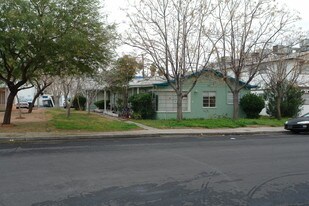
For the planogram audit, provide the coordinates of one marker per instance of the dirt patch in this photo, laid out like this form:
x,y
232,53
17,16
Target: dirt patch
x,y
22,121
37,115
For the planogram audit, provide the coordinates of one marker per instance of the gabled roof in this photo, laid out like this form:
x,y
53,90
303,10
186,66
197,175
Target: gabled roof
x,y
215,72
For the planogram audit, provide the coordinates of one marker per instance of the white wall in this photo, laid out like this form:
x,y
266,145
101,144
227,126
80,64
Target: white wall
x,y
305,109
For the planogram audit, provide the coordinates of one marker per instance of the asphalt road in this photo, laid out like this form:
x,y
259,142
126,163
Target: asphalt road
x,y
229,170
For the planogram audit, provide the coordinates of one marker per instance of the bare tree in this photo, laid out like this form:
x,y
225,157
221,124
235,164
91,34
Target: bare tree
x,y
248,28
70,85
279,71
91,95
56,90
66,87
90,88
171,33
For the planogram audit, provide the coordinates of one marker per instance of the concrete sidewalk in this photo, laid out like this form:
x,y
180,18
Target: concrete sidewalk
x,y
144,132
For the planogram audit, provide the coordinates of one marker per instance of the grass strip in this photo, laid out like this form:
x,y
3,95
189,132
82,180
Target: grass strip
x,y
212,123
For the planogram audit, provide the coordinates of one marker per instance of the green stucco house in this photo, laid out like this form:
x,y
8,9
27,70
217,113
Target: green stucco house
x,y
210,98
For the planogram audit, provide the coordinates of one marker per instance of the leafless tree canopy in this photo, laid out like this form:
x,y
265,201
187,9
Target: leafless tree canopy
x,y
171,33
248,29
278,72
282,68
181,36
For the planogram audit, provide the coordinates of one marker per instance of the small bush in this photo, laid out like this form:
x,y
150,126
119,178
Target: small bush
x,y
136,115
142,106
291,102
100,104
252,105
79,102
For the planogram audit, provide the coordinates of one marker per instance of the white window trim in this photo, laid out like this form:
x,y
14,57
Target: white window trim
x,y
215,101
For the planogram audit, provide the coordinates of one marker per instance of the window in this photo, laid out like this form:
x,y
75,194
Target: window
x,y
167,102
209,99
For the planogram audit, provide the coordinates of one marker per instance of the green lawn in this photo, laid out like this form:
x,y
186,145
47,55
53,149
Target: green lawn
x,y
55,120
81,121
212,123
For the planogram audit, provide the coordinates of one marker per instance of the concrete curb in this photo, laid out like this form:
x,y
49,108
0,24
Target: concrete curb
x,y
32,137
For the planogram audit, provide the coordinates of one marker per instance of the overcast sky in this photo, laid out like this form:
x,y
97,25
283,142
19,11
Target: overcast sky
x,y
113,8
300,6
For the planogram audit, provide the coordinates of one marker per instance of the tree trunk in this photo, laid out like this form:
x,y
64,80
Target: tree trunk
x,y
9,106
235,105
88,101
126,96
278,107
88,106
68,106
19,108
179,106
30,108
33,102
57,98
78,104
68,110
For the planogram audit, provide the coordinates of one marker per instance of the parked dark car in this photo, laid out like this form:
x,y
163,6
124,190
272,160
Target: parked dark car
x,y
299,124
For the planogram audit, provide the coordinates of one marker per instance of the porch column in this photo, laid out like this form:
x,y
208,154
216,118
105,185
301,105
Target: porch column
x,y
104,101
137,90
